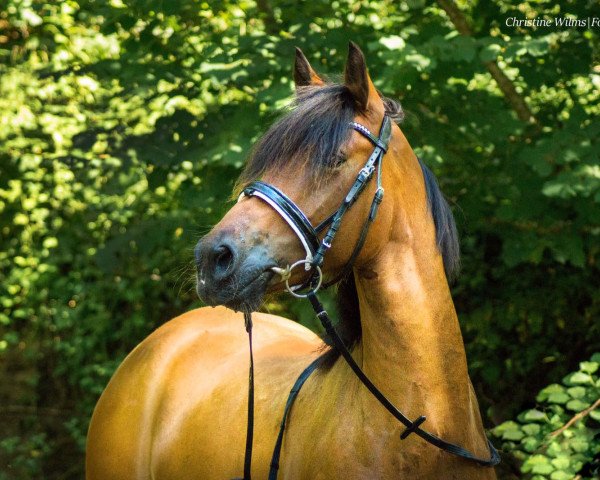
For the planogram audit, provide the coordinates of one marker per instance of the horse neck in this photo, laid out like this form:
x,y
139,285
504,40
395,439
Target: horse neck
x,y
411,341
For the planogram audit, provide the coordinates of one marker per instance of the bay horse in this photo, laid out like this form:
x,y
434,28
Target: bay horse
x,y
176,407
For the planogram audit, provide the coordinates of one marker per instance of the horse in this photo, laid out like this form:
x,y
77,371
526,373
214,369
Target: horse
x,y
176,406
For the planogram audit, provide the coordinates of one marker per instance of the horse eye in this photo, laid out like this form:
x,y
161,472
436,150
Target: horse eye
x,y
338,159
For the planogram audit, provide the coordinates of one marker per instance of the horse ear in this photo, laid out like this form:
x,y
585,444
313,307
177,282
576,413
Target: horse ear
x,y
304,75
357,80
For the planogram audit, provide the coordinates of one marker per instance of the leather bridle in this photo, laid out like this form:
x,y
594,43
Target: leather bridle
x,y
316,249
307,234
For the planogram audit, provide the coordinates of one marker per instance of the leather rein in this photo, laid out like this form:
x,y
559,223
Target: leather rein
x,y
315,252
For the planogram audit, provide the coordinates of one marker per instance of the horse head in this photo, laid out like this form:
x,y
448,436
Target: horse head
x,y
313,155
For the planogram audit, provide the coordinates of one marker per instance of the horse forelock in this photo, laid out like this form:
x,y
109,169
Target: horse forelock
x,y
311,132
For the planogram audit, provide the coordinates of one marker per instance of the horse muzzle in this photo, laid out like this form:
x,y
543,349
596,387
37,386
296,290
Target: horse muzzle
x,y
229,274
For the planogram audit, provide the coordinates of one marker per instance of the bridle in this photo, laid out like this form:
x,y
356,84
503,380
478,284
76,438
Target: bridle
x,y
307,234
316,249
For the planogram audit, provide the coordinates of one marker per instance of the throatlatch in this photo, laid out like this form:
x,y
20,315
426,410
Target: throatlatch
x,y
315,253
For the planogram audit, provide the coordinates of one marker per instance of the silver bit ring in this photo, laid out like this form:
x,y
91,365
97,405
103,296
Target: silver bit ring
x,y
294,265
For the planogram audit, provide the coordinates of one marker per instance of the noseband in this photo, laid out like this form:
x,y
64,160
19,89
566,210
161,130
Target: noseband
x,y
316,249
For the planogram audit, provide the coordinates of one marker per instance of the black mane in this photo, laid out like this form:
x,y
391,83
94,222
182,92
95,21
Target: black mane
x,y
445,227
313,131
311,134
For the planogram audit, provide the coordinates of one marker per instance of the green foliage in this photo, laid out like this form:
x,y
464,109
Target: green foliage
x,y
124,125
560,438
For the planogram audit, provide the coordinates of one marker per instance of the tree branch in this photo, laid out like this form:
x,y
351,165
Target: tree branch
x,y
576,418
268,17
516,101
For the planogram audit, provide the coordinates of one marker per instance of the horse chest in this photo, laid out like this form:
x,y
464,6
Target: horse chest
x,y
340,432
333,438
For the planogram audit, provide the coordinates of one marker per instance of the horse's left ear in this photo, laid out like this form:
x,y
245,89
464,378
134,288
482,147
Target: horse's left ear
x,y
357,80
304,75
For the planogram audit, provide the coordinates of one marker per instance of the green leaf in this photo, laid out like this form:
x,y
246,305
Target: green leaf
x,y
558,397
514,435
539,163
490,52
538,464
547,391
589,367
537,47
393,42
576,392
515,49
558,189
569,248
530,444
531,429
464,48
561,462
577,405
579,378
554,450
534,416
579,444
561,475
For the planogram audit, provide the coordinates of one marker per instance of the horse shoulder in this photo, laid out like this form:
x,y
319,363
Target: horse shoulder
x,y
180,368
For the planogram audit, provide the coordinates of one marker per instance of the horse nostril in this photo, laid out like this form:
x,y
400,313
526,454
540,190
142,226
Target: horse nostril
x,y
223,258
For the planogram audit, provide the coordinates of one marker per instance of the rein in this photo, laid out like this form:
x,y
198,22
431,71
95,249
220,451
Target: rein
x,y
250,423
315,252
